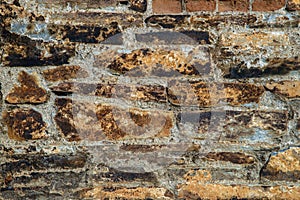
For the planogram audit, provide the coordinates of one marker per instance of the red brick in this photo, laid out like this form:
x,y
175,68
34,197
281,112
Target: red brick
x,y
166,6
267,5
233,5
200,5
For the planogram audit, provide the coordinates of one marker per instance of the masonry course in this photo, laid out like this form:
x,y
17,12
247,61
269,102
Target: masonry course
x,y
149,99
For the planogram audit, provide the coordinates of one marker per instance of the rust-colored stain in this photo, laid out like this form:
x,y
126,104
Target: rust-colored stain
x,y
29,90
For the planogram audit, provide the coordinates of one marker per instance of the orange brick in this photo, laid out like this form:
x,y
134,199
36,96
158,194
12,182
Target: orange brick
x,y
167,6
200,5
267,5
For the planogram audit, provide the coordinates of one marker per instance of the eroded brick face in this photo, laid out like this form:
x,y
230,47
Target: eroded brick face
x,y
267,5
166,6
229,5
293,5
24,124
140,99
200,5
29,90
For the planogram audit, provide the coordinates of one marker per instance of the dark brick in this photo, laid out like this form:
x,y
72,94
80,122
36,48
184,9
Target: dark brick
x,y
233,157
170,38
85,33
167,21
22,51
138,5
24,124
114,175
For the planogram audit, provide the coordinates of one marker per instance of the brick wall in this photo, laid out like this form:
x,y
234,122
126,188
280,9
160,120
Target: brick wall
x,y
149,99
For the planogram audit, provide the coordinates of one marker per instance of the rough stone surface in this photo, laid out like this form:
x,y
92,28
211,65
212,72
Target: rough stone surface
x,y
128,193
290,89
79,120
64,73
207,94
29,90
293,5
149,99
238,62
160,63
283,165
24,124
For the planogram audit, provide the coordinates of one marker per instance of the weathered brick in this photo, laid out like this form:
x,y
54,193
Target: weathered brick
x,y
43,184
137,5
230,5
166,6
267,5
261,128
195,190
146,93
283,165
9,11
92,27
118,176
255,39
200,5
209,20
61,73
141,148
206,94
24,124
28,92
167,21
20,50
35,162
233,157
236,56
85,33
83,4
274,20
290,89
101,19
276,66
293,5
82,120
209,175
161,63
175,38
128,193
